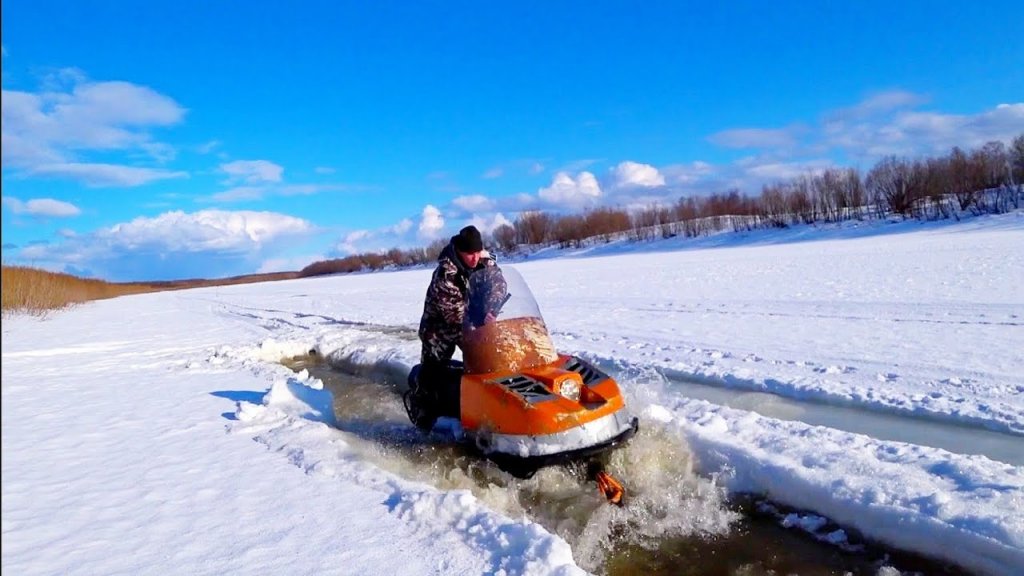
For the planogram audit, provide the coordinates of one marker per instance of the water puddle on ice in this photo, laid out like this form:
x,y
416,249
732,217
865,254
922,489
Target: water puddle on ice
x,y
674,521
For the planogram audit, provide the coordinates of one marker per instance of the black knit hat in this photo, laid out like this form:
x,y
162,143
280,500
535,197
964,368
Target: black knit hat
x,y
468,240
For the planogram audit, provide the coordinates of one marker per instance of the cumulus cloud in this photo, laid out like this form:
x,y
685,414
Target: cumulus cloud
x,y
175,245
360,241
474,203
636,175
488,224
240,231
46,133
566,191
252,172
431,223
41,207
349,244
686,174
402,227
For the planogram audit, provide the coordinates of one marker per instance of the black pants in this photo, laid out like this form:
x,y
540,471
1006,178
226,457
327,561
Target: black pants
x,y
441,385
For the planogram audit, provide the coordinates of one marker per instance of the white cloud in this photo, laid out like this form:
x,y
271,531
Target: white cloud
x,y
252,172
755,138
568,192
766,172
240,231
239,194
101,175
204,244
636,175
324,170
42,207
924,133
257,189
350,243
47,133
103,116
686,174
474,203
880,103
516,167
308,189
208,147
360,241
401,228
431,223
579,165
488,225
291,264
523,201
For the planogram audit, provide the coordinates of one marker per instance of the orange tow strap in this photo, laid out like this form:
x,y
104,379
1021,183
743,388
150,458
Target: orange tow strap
x,y
610,487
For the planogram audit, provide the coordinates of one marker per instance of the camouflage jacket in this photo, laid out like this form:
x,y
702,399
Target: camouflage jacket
x,y
445,305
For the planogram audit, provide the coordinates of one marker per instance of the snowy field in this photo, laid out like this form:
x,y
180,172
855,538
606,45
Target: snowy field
x,y
159,433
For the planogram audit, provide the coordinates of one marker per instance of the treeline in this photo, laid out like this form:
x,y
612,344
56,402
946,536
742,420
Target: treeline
x,y
35,291
985,180
394,258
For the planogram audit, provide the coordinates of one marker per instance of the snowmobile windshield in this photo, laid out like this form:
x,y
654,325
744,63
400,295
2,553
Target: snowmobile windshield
x,y
500,292
503,328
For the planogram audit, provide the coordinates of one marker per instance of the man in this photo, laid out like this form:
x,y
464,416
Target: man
x,y
444,309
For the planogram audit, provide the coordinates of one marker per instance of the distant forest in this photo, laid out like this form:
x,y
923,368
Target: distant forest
x,y
985,180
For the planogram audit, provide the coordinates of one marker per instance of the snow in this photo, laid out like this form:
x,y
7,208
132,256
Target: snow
x,y
159,433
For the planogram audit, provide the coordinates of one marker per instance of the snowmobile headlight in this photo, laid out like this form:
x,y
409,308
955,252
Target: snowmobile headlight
x,y
570,388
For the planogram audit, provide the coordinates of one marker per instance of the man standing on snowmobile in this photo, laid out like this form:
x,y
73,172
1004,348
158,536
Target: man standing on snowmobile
x,y
444,309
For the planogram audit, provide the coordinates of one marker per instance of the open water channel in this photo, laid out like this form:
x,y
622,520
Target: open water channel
x,y
673,521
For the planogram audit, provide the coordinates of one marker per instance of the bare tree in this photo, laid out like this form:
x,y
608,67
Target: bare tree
x,y
505,237
800,202
774,207
1016,160
605,223
894,185
434,248
533,228
569,231
645,222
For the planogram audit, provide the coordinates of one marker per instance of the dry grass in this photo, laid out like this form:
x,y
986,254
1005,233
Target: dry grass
x,y
33,291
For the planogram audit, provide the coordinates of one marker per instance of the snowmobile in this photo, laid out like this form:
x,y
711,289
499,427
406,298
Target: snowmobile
x,y
518,401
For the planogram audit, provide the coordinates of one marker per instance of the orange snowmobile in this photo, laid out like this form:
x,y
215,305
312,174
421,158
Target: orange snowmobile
x,y
518,401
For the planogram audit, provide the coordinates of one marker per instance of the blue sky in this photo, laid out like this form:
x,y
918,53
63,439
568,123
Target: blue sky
x,y
161,140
